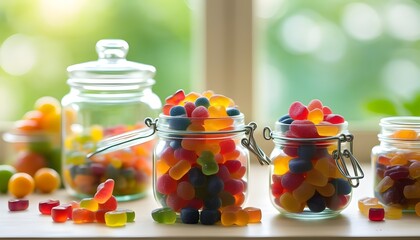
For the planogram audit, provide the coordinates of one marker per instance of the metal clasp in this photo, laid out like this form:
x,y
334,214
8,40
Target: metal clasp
x,y
340,157
127,139
252,145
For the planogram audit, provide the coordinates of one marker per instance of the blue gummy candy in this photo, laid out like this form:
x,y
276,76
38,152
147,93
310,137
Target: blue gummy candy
x,y
213,203
209,216
298,165
190,215
232,112
175,144
215,185
306,151
178,111
179,123
316,203
342,187
196,177
202,101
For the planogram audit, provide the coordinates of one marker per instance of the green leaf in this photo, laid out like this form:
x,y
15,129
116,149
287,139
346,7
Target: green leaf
x,y
382,106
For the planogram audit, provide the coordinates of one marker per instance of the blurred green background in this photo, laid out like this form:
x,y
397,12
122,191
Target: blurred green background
x,y
39,39
361,58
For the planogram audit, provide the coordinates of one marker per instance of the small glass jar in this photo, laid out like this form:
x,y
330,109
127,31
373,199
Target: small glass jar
x,y
396,162
201,169
309,178
30,151
107,97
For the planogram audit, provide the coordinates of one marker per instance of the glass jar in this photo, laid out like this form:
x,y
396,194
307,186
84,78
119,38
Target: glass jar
x,y
30,151
396,162
309,178
196,168
107,97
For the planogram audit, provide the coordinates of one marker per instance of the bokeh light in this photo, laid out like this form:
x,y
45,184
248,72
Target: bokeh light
x,y
18,55
361,21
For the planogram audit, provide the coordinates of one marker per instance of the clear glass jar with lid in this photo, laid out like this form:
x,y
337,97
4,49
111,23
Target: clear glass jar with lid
x,y
396,162
309,177
107,97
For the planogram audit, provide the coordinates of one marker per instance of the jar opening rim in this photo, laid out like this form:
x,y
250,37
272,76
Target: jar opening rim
x,y
400,121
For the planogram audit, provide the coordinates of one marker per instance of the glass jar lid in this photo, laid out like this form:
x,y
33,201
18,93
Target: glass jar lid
x,y
111,65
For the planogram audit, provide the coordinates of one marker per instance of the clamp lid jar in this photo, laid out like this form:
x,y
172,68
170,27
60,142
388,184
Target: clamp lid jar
x,y
309,177
396,163
108,97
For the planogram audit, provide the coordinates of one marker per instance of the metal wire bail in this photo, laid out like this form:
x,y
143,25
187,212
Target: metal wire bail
x,y
340,157
125,140
252,145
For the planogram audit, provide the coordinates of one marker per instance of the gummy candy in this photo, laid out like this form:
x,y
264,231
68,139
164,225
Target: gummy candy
x,y
18,204
254,214
81,215
209,216
164,215
376,214
115,218
367,203
104,191
46,206
176,98
298,111
208,164
61,213
90,204
190,215
109,205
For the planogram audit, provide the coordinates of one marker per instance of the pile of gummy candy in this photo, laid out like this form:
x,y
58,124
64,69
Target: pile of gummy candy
x,y
202,172
102,208
305,177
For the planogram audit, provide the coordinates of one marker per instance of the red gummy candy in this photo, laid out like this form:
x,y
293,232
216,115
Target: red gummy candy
x,y
334,118
109,205
176,98
200,112
189,108
166,109
46,206
18,204
314,104
298,111
61,213
104,191
376,214
326,110
303,129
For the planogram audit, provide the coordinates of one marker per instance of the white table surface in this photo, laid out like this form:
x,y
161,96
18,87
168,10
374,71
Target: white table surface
x,y
350,224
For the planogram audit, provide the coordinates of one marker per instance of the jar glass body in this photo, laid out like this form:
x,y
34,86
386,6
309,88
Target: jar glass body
x,y
305,180
396,163
204,169
93,113
31,151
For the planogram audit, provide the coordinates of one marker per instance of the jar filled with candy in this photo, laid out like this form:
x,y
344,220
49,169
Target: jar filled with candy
x,y
201,159
34,141
309,178
108,97
396,162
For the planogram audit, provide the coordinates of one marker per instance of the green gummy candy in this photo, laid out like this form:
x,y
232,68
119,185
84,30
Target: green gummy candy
x,y
208,164
164,215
